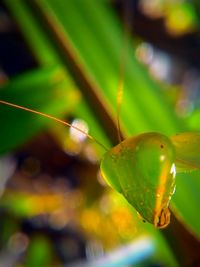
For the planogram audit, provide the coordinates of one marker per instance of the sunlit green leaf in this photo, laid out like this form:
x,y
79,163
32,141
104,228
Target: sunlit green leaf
x,y
96,36
187,198
42,89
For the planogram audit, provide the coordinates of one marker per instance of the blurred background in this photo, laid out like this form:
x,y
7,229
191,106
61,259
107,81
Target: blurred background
x,y
63,58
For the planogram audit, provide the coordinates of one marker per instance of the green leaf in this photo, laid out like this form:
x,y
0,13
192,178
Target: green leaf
x,y
44,90
96,36
144,106
39,252
187,198
30,27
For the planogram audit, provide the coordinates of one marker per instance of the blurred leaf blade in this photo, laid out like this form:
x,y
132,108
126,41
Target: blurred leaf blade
x,y
138,84
187,198
44,90
138,115
144,106
39,252
36,39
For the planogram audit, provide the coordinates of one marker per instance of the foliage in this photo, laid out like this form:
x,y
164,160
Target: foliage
x,y
78,51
